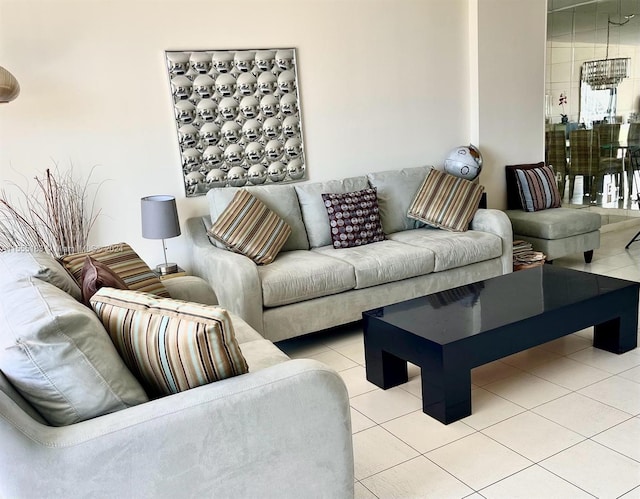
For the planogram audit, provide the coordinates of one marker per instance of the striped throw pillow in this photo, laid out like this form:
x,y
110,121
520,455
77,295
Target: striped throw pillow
x,y
124,262
446,202
169,345
248,227
538,189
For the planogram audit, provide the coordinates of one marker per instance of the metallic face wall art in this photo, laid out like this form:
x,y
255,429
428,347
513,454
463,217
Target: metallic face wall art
x,y
238,118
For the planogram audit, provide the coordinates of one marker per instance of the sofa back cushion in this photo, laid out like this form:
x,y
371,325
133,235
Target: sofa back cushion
x,y
314,213
396,190
15,264
281,199
59,357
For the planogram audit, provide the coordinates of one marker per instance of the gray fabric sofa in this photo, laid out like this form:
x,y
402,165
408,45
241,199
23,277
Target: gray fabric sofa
x,y
311,286
281,430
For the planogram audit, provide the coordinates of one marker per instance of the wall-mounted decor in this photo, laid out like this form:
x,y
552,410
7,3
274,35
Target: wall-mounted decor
x,y
237,117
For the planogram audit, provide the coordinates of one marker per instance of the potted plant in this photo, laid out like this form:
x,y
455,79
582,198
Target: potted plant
x,y
562,101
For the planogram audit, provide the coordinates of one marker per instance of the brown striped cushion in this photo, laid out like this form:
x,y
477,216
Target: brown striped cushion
x,y
169,345
538,189
248,227
124,262
446,202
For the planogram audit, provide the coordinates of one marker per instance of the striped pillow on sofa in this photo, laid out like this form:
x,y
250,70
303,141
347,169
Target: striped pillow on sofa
x,y
538,188
446,202
249,227
121,260
169,345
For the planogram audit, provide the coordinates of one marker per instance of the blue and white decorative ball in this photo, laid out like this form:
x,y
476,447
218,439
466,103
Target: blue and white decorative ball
x,y
464,162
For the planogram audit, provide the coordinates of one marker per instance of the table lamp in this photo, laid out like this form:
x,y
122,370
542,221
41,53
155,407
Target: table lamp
x,y
160,221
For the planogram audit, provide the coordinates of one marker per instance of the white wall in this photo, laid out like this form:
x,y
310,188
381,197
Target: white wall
x,y
384,84
511,63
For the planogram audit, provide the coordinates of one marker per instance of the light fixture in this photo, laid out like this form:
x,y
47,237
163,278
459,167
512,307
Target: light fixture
x,y
607,73
9,87
160,221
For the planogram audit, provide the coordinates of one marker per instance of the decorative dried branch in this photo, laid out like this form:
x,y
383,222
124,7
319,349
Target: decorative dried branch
x,y
53,217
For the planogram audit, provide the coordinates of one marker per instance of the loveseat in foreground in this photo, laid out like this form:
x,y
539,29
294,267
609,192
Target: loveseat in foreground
x,y
282,430
311,286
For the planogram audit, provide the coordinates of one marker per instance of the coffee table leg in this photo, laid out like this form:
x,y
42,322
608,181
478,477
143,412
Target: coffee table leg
x,y
446,394
618,335
383,369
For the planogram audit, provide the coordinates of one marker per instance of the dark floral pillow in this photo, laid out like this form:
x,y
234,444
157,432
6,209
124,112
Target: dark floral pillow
x,y
354,218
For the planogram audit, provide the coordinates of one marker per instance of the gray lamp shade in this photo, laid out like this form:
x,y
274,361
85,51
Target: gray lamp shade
x,y
159,217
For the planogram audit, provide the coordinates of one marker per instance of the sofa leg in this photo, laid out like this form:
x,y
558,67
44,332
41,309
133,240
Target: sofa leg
x,y
588,256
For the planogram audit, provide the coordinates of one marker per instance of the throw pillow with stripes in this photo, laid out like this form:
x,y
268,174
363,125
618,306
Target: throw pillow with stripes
x,y
169,345
538,189
446,202
121,260
249,227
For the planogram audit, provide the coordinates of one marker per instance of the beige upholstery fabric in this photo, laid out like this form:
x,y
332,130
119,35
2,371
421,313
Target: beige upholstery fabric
x,y
313,210
556,223
191,288
453,249
281,199
396,190
56,353
261,353
557,248
384,261
17,264
303,275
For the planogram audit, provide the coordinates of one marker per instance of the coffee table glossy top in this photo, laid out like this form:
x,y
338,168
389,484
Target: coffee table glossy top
x,y
451,315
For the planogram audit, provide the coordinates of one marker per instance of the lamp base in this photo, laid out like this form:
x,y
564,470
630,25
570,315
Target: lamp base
x,y
167,268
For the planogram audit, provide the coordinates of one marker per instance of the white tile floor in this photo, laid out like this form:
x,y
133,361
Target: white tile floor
x,y
559,420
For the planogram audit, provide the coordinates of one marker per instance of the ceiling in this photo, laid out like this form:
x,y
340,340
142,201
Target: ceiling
x,y
587,20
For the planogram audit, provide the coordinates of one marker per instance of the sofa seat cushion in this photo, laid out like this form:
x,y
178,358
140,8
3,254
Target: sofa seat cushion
x,y
384,261
453,249
56,353
554,223
303,275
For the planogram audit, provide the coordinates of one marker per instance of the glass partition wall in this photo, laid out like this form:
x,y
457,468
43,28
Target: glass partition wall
x,y
593,102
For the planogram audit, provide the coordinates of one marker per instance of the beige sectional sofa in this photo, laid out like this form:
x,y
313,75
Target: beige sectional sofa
x,y
312,286
280,431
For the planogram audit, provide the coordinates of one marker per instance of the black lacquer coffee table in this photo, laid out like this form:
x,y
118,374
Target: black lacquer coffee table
x,y
449,333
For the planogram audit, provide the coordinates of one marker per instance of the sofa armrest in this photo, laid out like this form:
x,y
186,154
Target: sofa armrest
x,y
283,431
191,288
233,277
497,222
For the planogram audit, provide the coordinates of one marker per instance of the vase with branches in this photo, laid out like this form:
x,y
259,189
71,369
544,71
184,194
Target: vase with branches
x,y
55,216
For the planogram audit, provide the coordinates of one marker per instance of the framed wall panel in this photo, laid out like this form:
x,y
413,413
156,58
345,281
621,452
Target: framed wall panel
x,y
238,117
